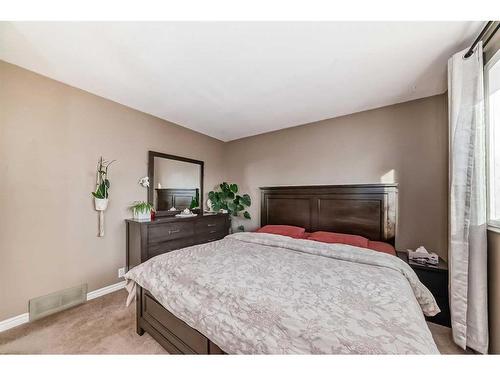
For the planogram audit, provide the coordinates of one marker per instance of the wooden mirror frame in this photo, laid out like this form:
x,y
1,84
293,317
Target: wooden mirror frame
x,y
151,175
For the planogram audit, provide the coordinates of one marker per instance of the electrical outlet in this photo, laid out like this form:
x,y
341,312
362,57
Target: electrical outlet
x,y
121,272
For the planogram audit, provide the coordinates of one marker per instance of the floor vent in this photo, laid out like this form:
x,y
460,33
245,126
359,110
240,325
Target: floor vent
x,y
54,302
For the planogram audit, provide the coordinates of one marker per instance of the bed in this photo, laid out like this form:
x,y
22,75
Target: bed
x,y
254,293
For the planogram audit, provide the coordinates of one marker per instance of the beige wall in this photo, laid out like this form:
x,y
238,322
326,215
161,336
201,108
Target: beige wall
x,y
406,143
51,136
494,290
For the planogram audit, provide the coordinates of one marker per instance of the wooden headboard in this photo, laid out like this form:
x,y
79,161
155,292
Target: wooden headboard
x,y
369,210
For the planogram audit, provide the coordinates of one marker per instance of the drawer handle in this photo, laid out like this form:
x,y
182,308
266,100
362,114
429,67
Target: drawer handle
x,y
174,231
212,231
211,225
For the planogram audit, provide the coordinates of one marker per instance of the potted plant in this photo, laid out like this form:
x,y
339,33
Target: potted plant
x,y
101,193
142,210
228,199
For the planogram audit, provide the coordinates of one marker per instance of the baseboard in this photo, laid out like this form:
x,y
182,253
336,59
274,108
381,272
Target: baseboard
x,y
14,322
106,290
24,318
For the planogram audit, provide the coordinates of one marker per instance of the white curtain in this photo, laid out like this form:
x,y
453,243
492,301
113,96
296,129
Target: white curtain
x,y
467,253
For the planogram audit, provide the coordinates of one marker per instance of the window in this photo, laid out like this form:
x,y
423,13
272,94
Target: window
x,y
492,91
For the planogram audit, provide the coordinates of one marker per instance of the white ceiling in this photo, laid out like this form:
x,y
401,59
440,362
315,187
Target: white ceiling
x,y
232,80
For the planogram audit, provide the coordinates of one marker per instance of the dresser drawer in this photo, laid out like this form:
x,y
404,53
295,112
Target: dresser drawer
x,y
146,240
167,246
169,231
211,225
210,237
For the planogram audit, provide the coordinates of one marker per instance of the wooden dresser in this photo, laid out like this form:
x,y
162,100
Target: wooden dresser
x,y
148,239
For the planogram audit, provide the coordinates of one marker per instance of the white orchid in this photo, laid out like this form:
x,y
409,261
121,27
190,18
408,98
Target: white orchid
x,y
144,182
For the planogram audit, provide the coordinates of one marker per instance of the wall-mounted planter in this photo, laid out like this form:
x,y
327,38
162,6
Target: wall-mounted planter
x,y
101,204
101,192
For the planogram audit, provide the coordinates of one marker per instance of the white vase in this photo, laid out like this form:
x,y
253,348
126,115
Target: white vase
x,y
101,204
142,216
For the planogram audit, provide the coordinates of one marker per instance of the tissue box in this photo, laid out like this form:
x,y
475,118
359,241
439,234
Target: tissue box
x,y
426,258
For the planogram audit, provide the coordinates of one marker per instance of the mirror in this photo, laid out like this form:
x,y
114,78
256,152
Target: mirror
x,y
176,183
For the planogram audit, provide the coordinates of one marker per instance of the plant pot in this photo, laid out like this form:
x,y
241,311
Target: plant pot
x,y
142,216
101,204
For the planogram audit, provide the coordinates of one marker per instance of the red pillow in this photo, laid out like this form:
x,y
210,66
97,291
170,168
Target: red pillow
x,y
382,247
284,230
347,239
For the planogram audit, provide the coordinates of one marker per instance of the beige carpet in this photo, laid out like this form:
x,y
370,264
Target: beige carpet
x,y
106,326
101,326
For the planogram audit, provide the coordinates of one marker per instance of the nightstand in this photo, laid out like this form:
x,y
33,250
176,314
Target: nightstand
x,y
436,280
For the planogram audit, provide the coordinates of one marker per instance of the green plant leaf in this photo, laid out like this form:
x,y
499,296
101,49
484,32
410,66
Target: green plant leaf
x,y
228,199
246,215
97,196
100,191
103,183
231,206
224,187
141,206
245,199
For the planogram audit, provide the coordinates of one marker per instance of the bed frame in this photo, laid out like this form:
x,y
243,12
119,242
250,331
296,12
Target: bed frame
x,y
369,210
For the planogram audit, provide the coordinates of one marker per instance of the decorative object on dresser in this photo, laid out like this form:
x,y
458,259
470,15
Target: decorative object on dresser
x,y
101,193
142,211
179,183
148,239
228,200
186,213
435,278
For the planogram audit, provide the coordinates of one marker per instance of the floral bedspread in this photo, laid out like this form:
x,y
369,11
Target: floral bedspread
x,y
257,293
